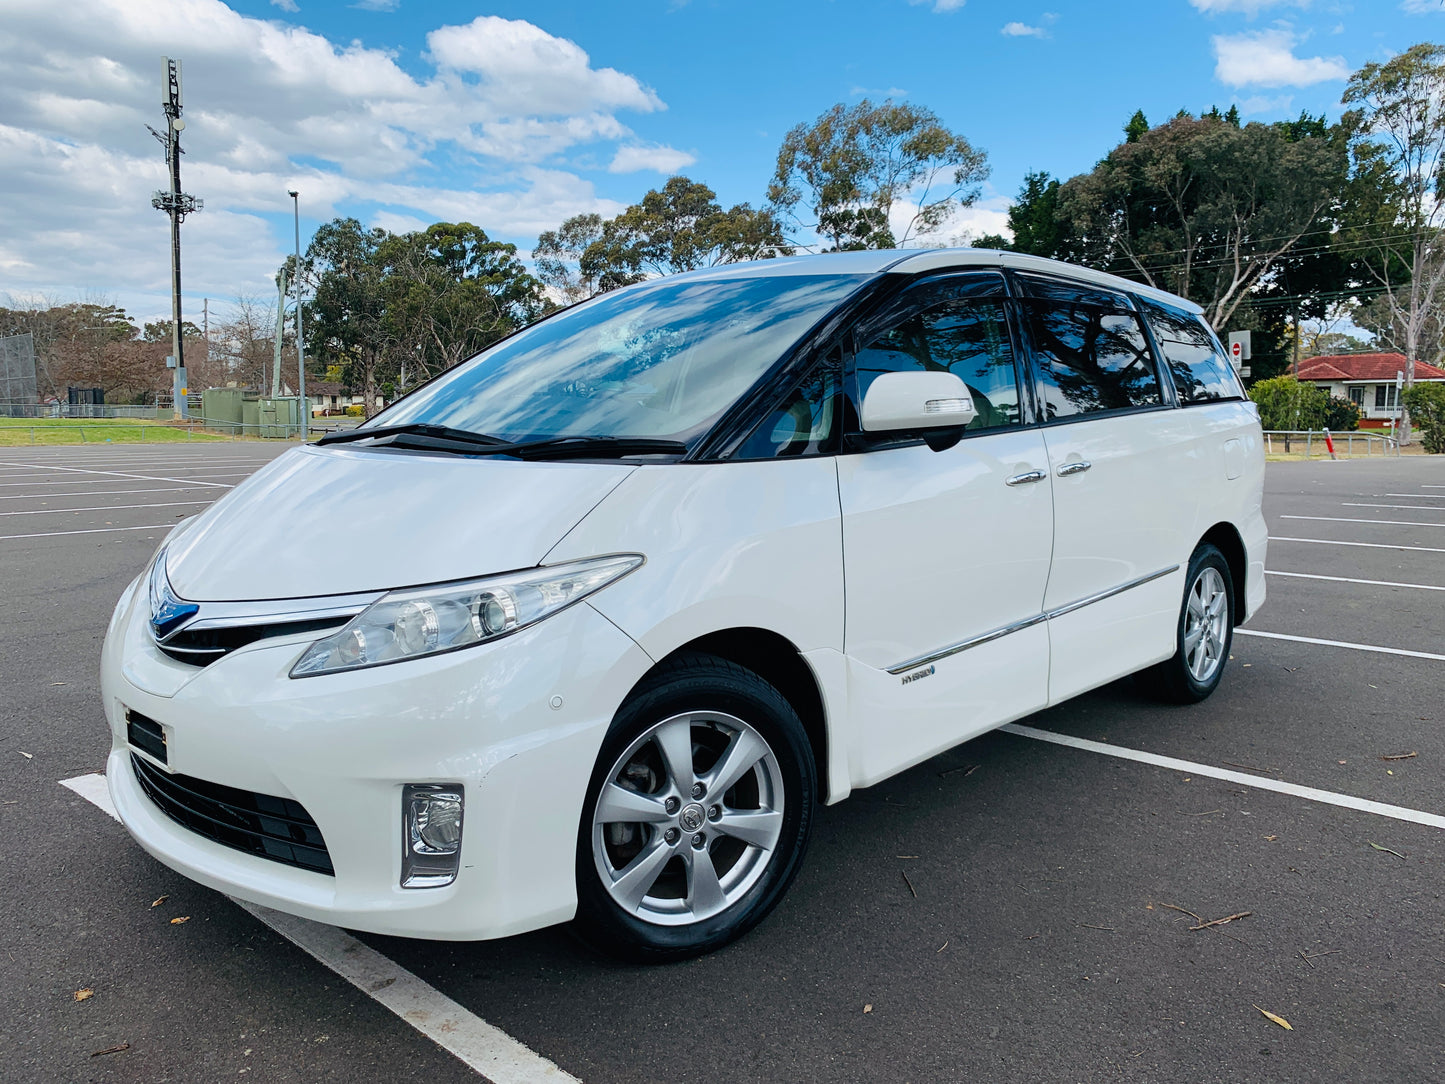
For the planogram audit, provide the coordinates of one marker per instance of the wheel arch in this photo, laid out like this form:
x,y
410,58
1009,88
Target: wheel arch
x,y
777,661
1225,537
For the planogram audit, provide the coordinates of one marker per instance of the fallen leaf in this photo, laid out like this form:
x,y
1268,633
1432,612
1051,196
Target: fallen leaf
x,y
1400,756
1342,762
178,921
27,756
1387,850
158,902
85,994
867,1008
1271,839
1280,1020
53,684
111,1050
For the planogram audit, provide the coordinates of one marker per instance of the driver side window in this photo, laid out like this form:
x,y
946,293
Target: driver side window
x,y
968,337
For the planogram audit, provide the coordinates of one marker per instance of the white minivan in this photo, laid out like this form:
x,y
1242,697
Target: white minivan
x,y
587,626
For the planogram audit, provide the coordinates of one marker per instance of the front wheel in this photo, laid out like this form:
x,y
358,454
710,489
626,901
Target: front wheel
x,y
697,815
1206,630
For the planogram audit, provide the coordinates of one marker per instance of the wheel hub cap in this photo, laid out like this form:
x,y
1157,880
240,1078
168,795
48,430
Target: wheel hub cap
x,y
692,817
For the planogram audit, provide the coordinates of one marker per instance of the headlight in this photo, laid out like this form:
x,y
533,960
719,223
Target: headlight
x,y
419,621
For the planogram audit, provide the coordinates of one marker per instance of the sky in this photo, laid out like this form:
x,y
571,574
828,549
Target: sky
x,y
515,116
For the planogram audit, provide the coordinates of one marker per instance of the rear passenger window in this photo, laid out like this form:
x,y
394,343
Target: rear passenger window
x,y
966,336
1201,372
1091,350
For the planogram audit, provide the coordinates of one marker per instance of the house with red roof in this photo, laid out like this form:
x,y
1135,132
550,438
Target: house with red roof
x,y
1367,380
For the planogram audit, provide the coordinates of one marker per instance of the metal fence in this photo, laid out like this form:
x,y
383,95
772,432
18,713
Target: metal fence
x,y
17,374
1317,442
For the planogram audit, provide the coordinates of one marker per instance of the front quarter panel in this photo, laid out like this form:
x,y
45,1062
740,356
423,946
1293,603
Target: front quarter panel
x,y
728,545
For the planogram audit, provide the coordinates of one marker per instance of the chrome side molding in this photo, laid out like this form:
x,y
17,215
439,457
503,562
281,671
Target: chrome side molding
x,y
1019,626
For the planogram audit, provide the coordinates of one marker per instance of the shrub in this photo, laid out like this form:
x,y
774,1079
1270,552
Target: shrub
x,y
1426,403
355,410
1341,415
1285,403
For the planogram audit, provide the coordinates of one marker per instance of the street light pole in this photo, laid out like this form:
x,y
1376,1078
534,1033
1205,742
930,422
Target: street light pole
x,y
300,342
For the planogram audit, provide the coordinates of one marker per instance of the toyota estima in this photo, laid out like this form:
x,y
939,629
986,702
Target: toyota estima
x,y
587,627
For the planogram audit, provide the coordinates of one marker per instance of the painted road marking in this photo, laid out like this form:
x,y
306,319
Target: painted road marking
x,y
1345,801
92,482
1341,643
1366,545
131,475
483,1047
93,530
91,493
1388,522
1415,507
103,508
1347,579
1417,496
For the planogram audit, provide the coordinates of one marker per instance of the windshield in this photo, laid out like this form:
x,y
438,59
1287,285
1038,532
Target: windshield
x,y
659,360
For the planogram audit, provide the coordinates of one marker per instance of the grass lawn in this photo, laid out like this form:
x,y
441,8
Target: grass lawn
x,y
26,431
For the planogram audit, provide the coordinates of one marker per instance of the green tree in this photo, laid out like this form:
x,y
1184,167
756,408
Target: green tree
x,y
1035,220
345,319
558,256
1399,111
842,176
679,227
1204,209
1426,404
1138,124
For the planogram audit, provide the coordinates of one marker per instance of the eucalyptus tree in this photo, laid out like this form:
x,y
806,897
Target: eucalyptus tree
x,y
842,176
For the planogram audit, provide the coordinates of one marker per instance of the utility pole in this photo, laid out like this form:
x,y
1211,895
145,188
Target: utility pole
x,y
177,205
300,342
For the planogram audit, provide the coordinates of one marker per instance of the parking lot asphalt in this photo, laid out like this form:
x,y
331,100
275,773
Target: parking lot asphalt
x,y
1013,910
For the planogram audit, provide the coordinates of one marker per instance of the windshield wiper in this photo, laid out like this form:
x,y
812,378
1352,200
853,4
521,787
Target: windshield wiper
x,y
441,438
445,432
591,447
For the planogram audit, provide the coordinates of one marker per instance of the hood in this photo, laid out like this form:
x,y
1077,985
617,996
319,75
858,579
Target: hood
x,y
336,521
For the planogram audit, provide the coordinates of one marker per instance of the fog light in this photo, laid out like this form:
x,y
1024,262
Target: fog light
x,y
431,834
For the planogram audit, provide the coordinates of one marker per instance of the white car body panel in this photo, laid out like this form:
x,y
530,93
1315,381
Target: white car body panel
x,y
434,518
939,550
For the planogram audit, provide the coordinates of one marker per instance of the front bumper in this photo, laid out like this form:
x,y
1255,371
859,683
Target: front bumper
x,y
344,745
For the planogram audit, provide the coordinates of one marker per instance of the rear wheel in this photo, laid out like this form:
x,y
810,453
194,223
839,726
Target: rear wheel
x,y
697,815
1206,630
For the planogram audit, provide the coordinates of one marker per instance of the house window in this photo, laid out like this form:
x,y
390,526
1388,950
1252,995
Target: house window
x,y
1357,396
1385,397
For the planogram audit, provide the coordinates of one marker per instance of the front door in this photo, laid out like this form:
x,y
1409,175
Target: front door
x,y
946,553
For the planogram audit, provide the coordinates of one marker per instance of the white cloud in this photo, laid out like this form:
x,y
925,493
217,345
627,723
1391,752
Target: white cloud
x,y
942,7
1245,7
484,137
286,5
1421,7
634,158
377,5
1265,58
1021,30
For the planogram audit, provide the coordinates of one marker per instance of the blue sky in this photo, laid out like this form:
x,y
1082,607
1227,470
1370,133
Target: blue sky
x,y
516,115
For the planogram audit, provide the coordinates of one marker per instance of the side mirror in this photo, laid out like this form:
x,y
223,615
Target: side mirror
x,y
916,401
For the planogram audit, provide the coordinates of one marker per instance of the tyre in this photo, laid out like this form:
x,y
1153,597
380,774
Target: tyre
x,y
1206,630
697,814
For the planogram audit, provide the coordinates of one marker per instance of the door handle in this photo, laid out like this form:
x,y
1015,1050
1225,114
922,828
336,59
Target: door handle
x,y
1026,477
1079,466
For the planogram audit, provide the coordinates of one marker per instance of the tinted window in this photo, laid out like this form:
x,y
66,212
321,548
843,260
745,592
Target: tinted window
x,y
1201,372
663,359
804,422
1091,351
966,336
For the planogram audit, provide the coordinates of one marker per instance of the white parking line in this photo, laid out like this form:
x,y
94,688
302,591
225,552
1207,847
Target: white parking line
x,y
1341,643
1416,507
93,530
95,482
92,493
134,476
1417,496
1347,579
483,1047
103,508
1366,545
1345,801
1387,522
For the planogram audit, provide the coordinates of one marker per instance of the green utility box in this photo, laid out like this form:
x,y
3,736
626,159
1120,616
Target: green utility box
x,y
222,409
279,418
